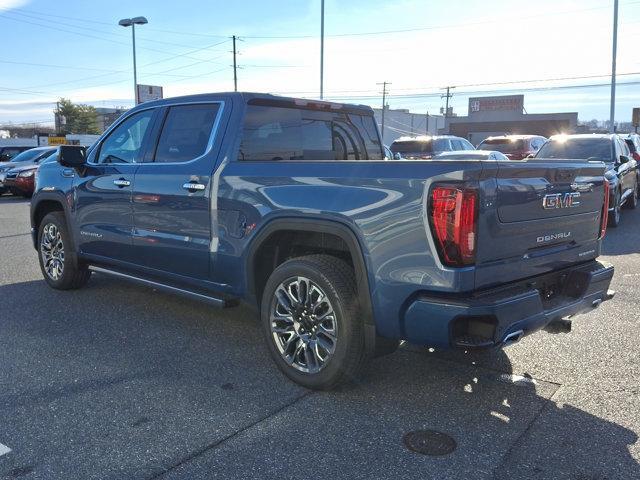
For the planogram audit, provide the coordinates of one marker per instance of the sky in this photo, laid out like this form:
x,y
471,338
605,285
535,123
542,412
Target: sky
x,y
75,49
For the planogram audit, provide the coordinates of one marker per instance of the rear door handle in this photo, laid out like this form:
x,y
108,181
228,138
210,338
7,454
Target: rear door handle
x,y
121,183
193,187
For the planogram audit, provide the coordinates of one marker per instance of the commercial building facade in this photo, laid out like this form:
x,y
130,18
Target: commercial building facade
x,y
505,114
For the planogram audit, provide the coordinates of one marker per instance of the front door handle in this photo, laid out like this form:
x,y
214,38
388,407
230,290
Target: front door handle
x,y
121,183
193,186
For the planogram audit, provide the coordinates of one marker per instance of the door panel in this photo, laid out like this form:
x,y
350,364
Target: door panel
x,y
171,199
104,213
103,189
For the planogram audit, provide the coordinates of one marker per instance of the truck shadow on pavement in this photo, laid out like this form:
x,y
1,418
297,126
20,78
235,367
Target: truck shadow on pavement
x,y
121,381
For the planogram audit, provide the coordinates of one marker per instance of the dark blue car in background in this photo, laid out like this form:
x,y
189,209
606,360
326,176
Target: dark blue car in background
x,y
288,205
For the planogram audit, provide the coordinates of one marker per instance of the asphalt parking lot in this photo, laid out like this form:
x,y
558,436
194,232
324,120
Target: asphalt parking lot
x,y
119,381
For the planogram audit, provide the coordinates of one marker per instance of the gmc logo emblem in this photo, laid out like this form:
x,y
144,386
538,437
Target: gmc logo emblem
x,y
561,200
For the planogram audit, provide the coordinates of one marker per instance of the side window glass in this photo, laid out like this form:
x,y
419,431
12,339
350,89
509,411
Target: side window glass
x,y
467,145
124,143
186,132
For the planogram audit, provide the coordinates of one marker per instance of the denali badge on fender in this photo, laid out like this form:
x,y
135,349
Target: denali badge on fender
x,y
553,236
561,200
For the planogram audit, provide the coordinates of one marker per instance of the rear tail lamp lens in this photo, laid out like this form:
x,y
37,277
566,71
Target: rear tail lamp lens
x,y
453,215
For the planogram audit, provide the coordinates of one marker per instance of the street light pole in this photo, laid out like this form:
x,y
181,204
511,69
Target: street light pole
x,y
132,22
135,71
612,112
321,49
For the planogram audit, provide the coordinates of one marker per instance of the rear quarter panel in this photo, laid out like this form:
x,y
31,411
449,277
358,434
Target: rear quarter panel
x,y
383,203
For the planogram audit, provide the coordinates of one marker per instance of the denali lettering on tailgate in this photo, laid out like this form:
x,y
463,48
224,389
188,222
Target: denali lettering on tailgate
x,y
561,200
553,236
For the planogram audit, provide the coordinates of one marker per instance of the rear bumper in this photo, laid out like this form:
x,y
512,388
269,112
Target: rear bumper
x,y
497,316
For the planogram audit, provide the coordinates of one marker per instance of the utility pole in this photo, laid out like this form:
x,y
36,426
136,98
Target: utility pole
x,y
384,103
321,49
426,128
446,109
448,95
612,113
235,66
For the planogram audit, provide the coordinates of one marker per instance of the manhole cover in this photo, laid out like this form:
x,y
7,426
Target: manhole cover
x,y
429,442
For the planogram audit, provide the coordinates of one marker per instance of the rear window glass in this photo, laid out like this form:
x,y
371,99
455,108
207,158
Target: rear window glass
x,y
578,148
503,145
186,132
420,146
278,133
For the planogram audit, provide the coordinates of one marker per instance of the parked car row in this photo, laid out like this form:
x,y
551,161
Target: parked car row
x,y
17,175
619,154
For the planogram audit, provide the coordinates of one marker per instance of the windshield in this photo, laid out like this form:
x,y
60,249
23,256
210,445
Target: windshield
x,y
31,155
504,145
419,146
578,148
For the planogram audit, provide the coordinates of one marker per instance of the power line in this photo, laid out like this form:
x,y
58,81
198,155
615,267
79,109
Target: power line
x,y
439,27
346,34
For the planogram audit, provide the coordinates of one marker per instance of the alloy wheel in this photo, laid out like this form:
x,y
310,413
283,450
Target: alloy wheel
x,y
52,251
304,325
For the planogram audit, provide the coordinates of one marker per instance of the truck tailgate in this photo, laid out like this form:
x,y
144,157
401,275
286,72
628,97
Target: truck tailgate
x,y
538,216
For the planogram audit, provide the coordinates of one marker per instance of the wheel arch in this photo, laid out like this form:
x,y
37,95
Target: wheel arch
x,y
317,226
45,203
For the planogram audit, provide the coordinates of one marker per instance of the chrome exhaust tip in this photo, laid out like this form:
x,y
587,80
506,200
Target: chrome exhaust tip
x,y
513,337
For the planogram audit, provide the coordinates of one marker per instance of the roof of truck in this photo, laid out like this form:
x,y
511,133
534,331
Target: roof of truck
x,y
266,99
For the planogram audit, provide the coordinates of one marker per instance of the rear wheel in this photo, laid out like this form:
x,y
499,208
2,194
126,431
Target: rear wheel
x,y
310,318
59,269
614,216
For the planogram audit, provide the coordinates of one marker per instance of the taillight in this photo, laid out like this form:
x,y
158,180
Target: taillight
x,y
453,214
605,210
636,156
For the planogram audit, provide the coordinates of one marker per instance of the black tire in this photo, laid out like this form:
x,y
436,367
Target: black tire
x,y
614,217
71,275
632,200
336,281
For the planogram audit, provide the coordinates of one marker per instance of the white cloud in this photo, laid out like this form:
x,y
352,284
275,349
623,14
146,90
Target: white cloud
x,y
12,4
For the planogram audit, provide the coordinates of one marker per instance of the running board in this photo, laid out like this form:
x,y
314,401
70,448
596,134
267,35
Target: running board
x,y
218,302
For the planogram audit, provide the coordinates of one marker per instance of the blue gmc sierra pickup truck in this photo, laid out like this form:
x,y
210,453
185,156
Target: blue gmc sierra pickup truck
x,y
289,205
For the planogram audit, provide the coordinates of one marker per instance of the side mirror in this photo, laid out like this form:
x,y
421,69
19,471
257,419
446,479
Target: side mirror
x,y
397,156
72,156
624,159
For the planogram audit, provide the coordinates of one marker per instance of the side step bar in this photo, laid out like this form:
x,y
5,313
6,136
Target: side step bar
x,y
215,301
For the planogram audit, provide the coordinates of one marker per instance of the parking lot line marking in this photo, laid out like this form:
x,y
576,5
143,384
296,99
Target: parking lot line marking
x,y
4,449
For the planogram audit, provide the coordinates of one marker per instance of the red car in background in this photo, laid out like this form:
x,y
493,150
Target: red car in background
x,y
20,180
515,147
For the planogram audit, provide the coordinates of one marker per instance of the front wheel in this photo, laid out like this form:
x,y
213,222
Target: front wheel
x,y
309,313
59,269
